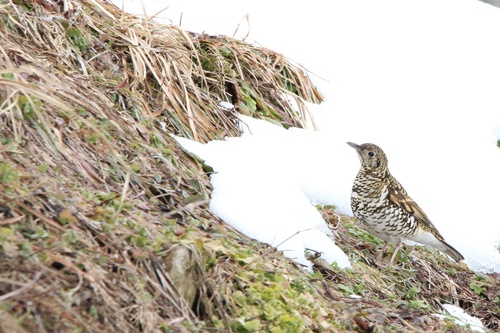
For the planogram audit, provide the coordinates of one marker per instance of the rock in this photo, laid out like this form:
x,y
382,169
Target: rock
x,y
181,265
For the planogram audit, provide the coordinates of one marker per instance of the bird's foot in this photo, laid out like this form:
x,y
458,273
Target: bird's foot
x,y
379,258
395,253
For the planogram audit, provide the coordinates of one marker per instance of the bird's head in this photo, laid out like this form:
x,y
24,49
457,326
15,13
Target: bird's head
x,y
372,158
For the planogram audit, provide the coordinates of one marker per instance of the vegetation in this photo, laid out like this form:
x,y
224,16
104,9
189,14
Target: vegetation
x,y
104,224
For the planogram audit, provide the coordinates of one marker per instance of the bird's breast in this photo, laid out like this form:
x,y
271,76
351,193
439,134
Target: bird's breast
x,y
377,214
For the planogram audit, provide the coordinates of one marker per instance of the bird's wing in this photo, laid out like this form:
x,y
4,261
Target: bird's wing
x,y
399,197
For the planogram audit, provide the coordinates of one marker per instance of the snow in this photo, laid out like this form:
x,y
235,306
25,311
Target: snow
x,y
459,316
419,78
260,188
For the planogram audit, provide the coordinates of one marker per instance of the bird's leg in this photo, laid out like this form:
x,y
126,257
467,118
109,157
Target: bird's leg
x,y
378,259
395,253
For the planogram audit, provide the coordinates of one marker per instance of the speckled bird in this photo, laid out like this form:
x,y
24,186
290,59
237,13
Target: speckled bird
x,y
384,209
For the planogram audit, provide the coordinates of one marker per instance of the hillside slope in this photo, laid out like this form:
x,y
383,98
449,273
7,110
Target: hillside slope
x,y
104,225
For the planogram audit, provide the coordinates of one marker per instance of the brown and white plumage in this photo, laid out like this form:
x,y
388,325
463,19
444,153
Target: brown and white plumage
x,y
383,207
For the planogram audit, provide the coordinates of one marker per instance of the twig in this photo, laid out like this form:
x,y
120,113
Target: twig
x,y
22,289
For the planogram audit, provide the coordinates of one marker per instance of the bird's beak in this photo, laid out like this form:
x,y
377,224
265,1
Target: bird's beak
x,y
355,146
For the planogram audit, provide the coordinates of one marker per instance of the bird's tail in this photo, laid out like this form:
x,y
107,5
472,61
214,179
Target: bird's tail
x,y
436,241
450,250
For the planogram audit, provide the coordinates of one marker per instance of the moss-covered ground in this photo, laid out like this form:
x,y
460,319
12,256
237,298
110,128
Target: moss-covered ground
x,y
96,196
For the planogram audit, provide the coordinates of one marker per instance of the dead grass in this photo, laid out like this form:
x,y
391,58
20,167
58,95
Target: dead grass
x,y
407,295
95,194
93,189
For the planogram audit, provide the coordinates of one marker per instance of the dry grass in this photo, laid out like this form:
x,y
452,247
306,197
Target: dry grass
x,y
406,295
95,195
93,190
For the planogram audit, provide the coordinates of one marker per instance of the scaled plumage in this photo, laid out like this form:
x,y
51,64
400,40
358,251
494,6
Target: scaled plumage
x,y
384,209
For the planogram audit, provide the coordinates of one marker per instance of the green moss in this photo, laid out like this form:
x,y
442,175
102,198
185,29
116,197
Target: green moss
x,y
78,38
8,175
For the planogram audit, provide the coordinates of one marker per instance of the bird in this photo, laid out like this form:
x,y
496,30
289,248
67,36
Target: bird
x,y
383,207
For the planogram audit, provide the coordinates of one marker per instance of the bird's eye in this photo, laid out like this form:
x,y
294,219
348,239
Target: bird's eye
x,y
371,154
